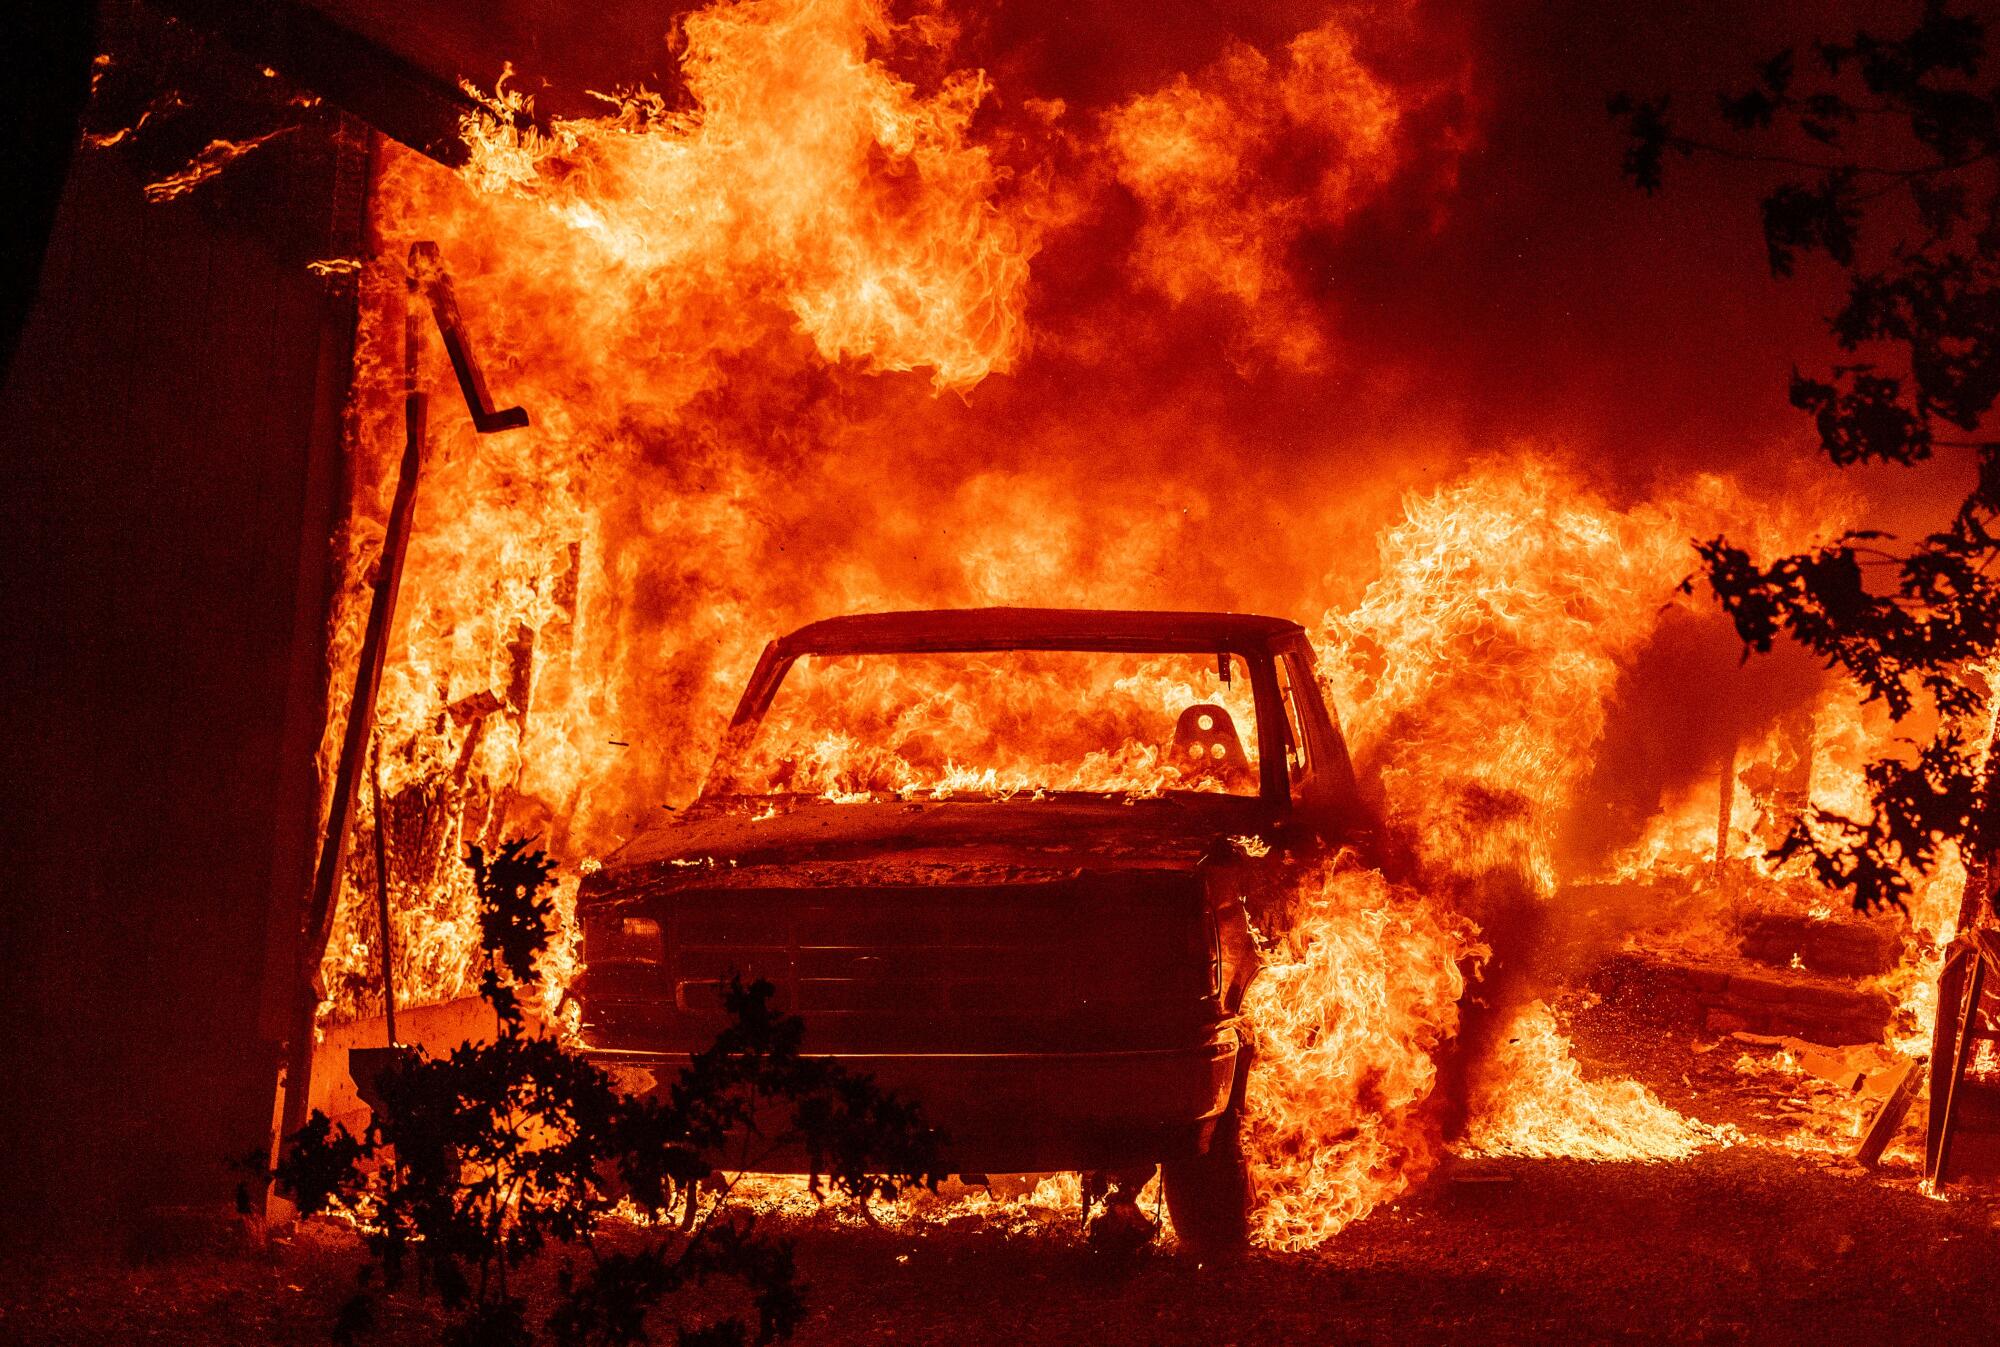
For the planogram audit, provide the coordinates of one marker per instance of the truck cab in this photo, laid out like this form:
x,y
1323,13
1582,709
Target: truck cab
x,y
1008,861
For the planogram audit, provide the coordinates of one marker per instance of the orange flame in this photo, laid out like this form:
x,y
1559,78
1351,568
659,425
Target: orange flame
x,y
735,319
1535,1101
1196,155
1349,1015
1480,666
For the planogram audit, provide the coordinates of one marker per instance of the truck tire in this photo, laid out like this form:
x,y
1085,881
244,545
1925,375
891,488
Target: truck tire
x,y
1209,1195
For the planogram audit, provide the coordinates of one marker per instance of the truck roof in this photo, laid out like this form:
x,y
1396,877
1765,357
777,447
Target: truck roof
x,y
949,629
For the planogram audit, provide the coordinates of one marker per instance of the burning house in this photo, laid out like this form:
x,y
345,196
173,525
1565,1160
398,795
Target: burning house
x,y
428,421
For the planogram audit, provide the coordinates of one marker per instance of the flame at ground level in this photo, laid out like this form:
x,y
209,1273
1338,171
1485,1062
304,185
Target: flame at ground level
x,y
1346,1021
1350,1021
1531,1099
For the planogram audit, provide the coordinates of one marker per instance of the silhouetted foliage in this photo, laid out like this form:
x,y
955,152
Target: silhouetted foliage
x,y
1891,171
513,918
479,1161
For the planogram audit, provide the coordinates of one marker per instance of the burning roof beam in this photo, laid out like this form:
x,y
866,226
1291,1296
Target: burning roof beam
x,y
392,94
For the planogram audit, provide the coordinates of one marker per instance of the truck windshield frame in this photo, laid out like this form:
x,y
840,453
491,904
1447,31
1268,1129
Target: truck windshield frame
x,y
1112,722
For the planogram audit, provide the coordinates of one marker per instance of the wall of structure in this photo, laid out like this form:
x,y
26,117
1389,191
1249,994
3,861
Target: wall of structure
x,y
170,435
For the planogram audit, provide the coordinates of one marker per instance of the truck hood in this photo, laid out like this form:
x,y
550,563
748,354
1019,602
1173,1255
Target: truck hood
x,y
816,843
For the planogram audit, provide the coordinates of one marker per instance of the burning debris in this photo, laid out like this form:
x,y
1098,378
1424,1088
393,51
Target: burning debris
x,y
174,103
213,158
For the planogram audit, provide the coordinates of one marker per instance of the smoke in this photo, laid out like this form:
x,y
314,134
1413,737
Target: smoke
x,y
1684,704
1334,311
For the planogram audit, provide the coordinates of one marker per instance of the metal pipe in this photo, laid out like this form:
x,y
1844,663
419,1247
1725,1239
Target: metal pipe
x,y
427,280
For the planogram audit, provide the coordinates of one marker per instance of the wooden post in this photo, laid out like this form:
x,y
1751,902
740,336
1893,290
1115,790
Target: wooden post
x,y
1727,807
1889,1117
382,900
1942,1127
1793,796
1944,1043
353,750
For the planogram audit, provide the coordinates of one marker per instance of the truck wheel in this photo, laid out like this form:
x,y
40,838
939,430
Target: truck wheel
x,y
1208,1195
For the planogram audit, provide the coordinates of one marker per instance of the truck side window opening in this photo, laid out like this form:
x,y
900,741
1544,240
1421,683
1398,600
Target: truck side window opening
x,y
1297,755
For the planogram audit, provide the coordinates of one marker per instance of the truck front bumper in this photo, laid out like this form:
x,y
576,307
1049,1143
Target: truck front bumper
x,y
1030,1112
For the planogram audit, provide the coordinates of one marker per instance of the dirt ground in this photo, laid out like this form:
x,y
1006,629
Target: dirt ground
x,y
1745,1244
1756,1242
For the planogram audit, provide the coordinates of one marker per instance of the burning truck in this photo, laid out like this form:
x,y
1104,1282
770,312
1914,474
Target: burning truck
x,y
1031,911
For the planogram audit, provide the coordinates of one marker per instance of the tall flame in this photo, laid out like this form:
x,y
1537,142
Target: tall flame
x,y
1349,1016
664,289
1198,156
1481,664
776,337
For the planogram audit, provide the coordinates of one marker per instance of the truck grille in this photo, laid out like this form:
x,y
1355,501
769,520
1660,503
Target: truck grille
x,y
887,969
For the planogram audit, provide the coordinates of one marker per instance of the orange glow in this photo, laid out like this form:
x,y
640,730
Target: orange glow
x,y
755,330
940,725
1195,156
1349,1016
1535,1101
1479,668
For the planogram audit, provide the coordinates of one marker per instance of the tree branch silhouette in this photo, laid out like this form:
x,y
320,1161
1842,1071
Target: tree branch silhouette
x,y
1916,241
